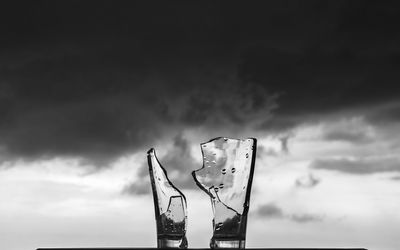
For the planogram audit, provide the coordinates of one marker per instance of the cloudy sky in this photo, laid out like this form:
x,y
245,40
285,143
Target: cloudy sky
x,y
87,88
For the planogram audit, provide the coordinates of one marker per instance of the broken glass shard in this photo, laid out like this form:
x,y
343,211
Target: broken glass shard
x,y
170,206
226,176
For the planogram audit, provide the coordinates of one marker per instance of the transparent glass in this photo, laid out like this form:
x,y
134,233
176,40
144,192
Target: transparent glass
x,y
170,207
226,176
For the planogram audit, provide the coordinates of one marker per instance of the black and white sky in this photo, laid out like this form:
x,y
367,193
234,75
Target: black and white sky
x,y
87,87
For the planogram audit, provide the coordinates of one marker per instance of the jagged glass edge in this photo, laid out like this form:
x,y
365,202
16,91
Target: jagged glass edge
x,y
250,180
155,198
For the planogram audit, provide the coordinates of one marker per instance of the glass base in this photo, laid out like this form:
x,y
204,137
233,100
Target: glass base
x,y
172,243
221,243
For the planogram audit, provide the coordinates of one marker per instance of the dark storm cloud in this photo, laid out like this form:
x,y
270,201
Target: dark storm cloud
x,y
285,144
345,58
266,151
358,166
179,163
355,130
141,187
385,115
272,211
80,107
348,136
304,218
308,181
97,81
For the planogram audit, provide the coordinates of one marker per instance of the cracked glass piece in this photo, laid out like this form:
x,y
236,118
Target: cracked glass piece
x,y
170,207
226,176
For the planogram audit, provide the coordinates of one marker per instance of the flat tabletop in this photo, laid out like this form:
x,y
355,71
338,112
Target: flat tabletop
x,y
150,248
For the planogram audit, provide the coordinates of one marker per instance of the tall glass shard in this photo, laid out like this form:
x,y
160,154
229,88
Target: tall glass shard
x,y
170,207
226,176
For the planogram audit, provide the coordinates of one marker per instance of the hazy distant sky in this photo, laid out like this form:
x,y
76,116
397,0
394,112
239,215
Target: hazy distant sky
x,y
86,88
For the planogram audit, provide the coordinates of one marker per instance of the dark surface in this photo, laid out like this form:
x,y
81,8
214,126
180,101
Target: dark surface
x,y
144,248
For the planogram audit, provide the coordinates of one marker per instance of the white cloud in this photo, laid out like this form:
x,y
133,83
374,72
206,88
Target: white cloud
x,y
58,203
